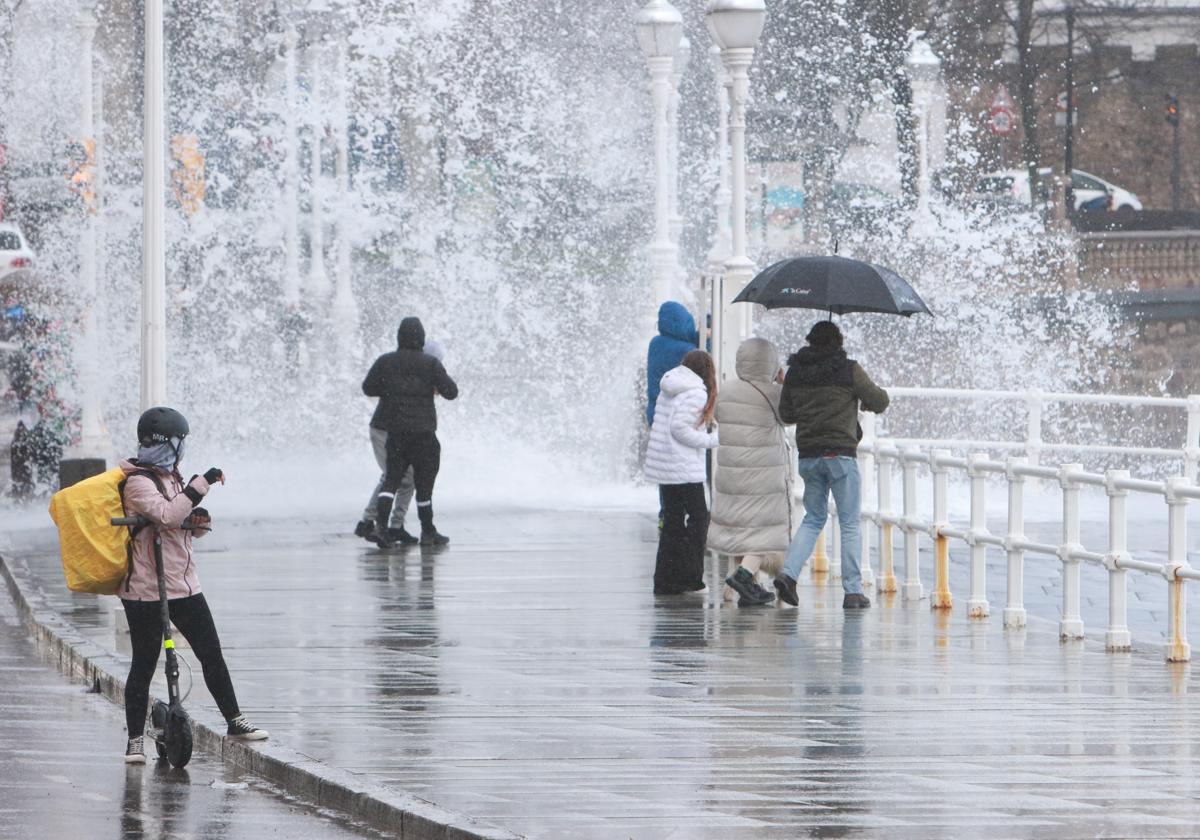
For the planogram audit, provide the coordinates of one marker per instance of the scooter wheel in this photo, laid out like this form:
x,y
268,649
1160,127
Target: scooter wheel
x,y
179,739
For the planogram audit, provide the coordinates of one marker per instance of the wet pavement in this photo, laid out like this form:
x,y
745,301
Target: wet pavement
x,y
63,776
525,676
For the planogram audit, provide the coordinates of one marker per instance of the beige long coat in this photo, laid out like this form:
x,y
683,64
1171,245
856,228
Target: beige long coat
x,y
752,499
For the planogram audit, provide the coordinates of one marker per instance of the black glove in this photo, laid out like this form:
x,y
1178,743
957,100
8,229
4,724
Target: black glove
x,y
214,475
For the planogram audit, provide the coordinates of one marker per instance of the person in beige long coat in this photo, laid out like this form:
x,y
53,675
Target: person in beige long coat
x,y
752,515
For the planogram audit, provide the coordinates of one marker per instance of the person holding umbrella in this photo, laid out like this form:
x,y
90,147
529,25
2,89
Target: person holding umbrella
x,y
822,392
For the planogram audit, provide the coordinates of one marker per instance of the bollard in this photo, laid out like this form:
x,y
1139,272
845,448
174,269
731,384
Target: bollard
x,y
941,598
866,472
1178,649
887,568
835,543
977,604
1117,638
820,560
913,591
1071,625
1014,609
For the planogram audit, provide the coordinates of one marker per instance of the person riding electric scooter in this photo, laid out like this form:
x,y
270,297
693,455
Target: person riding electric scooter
x,y
155,491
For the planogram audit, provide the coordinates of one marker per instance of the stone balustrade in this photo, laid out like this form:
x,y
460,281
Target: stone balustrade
x,y
1140,260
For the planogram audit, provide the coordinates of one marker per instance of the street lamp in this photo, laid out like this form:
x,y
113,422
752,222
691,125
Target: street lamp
x,y
89,456
345,311
291,177
318,281
736,26
154,211
659,28
925,72
720,250
682,57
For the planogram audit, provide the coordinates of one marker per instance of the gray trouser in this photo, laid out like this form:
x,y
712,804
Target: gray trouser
x,y
403,495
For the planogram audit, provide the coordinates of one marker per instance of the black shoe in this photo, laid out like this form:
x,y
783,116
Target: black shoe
x,y
383,538
742,582
786,587
365,528
430,536
401,536
856,601
759,598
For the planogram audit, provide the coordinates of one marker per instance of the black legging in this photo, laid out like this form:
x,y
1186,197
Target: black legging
x,y
423,452
193,619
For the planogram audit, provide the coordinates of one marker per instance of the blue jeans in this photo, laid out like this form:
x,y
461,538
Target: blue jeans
x,y
838,475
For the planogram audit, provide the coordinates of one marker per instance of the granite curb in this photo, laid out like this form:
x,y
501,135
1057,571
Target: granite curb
x,y
394,812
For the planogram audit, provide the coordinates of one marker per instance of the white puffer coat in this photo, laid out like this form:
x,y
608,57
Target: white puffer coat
x,y
752,494
677,443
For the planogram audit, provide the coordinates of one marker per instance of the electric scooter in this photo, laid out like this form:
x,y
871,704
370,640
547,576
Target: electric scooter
x,y
171,728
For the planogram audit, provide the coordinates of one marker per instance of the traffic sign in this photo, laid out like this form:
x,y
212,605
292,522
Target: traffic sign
x,y
1003,100
1001,121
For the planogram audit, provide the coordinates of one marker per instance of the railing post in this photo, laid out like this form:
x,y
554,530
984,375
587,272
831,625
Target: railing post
x,y
1191,445
820,559
1117,638
1071,625
1178,649
887,567
1033,426
941,598
1014,609
866,472
977,604
913,591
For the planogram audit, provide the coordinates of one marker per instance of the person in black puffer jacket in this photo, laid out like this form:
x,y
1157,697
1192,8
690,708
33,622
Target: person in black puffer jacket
x,y
406,382
821,394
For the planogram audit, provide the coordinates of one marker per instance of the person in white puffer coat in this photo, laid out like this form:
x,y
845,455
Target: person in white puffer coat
x,y
752,515
679,436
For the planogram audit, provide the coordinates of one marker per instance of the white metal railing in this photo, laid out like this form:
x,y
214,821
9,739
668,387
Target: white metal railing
x,y
878,458
1034,403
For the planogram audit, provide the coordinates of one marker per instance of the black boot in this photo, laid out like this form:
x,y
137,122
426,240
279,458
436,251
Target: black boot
x,y
429,534
365,528
382,512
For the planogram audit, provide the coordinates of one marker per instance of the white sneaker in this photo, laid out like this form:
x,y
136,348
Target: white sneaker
x,y
135,752
244,730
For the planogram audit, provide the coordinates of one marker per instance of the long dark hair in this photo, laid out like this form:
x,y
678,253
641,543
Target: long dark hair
x,y
701,364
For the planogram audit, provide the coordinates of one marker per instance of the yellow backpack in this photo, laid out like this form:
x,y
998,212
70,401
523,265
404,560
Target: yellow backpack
x,y
95,555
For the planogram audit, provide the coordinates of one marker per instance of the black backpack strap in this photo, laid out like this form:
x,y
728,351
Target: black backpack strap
x,y
134,530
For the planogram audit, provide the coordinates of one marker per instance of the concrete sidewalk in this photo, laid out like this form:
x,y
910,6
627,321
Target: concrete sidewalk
x,y
526,676
63,776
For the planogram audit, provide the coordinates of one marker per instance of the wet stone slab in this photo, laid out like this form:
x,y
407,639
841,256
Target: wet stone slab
x,y
526,676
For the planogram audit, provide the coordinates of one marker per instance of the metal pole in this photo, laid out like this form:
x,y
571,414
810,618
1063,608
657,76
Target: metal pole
x,y
722,233
291,176
318,281
1069,152
739,269
663,254
1071,624
154,269
345,310
1014,604
1175,181
1117,638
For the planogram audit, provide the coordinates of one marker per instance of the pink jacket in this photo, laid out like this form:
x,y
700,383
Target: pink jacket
x,y
143,498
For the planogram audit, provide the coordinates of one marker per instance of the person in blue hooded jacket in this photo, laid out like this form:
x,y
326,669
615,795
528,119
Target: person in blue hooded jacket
x,y
676,336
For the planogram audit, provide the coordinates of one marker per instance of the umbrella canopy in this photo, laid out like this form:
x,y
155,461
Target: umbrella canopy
x,y
833,284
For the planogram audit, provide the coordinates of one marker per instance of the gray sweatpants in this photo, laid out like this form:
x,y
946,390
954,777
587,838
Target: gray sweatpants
x,y
403,495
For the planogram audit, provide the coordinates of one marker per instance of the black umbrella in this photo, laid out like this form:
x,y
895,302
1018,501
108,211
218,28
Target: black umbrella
x,y
834,284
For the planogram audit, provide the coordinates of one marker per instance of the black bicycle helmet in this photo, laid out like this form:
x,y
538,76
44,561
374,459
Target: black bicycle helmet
x,y
160,425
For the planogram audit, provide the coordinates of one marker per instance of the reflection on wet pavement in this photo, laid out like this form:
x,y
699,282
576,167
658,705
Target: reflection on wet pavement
x,y
526,676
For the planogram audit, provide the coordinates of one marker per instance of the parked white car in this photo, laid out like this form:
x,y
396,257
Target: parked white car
x,y
15,253
1014,185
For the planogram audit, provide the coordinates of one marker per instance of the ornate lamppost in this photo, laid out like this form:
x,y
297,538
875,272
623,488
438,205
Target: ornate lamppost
x,y
736,26
683,57
659,28
925,71
722,233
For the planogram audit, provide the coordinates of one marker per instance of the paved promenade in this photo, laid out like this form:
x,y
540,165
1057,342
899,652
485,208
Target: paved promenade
x,y
526,677
63,780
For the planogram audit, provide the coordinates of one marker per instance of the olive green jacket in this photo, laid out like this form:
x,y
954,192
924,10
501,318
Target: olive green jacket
x,y
821,395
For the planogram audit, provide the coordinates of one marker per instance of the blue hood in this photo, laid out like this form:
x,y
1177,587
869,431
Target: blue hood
x,y
675,321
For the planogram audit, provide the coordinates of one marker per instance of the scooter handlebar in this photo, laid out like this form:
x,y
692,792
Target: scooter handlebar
x,y
141,522
129,521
